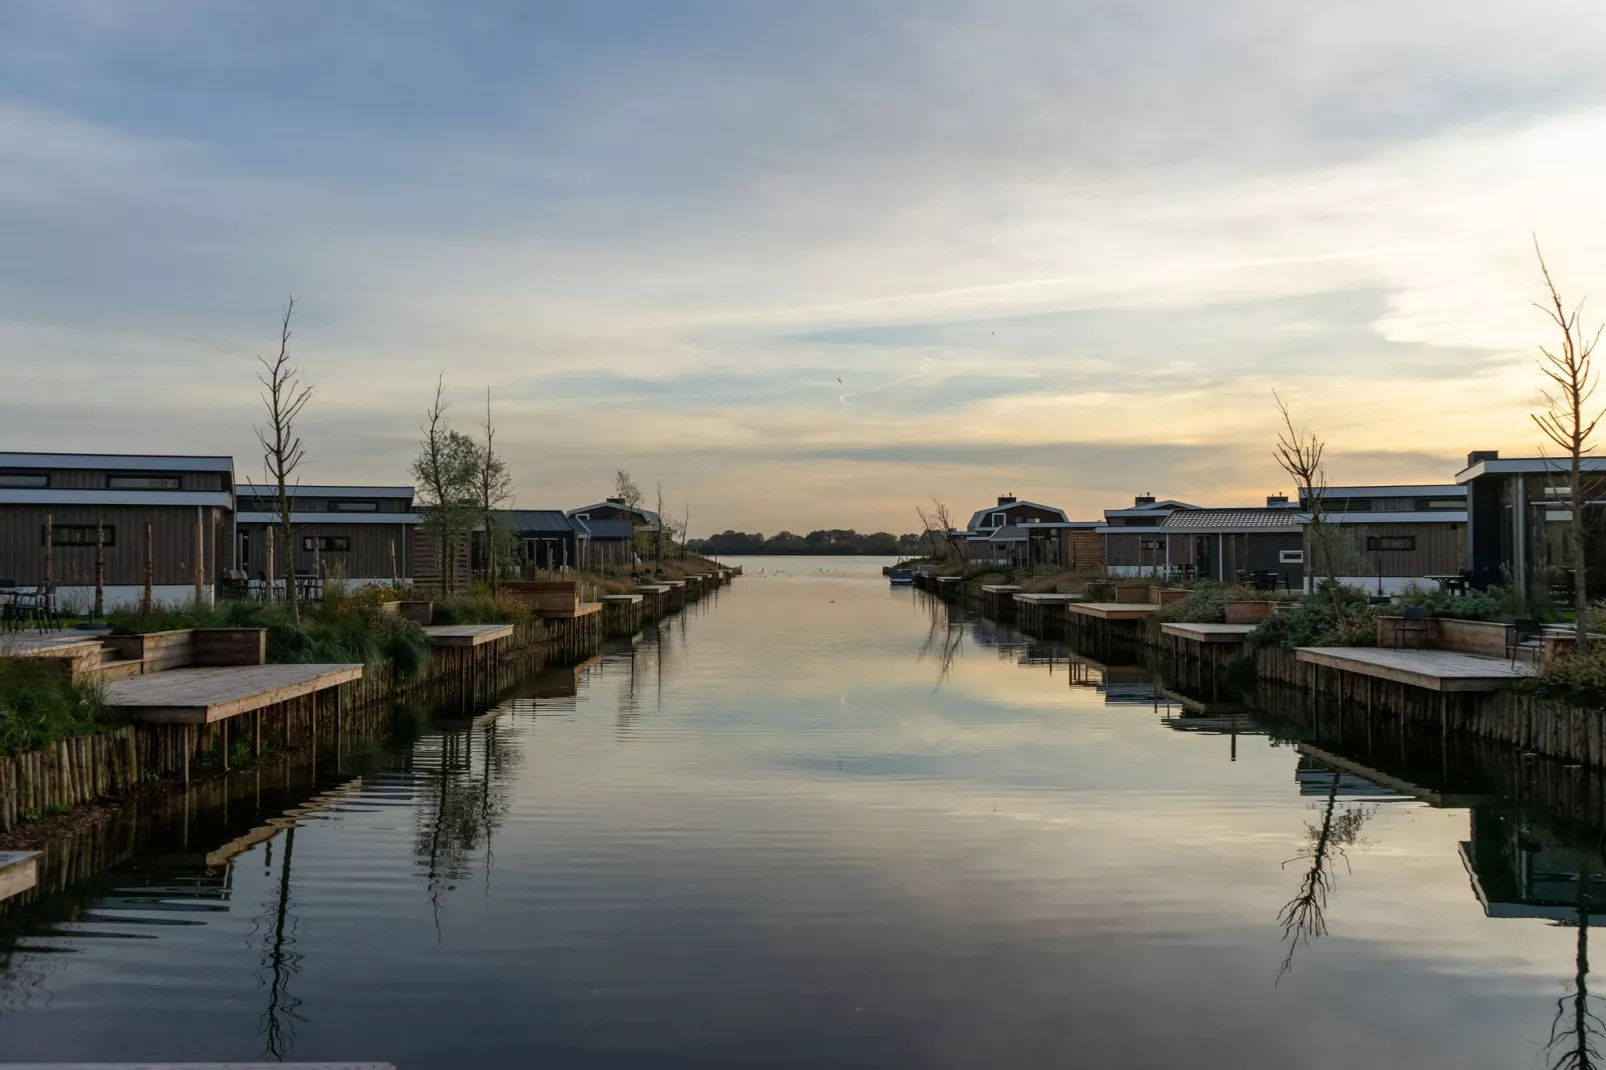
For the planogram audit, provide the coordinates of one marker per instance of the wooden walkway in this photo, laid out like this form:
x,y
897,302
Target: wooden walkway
x,y
1113,610
467,634
1049,599
19,871
1209,633
202,696
1436,670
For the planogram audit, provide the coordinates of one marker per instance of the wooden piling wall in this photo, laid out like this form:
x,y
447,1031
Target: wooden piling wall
x,y
116,762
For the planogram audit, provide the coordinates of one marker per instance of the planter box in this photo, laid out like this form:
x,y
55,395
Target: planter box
x,y
1473,637
231,646
1071,587
549,598
1161,596
417,612
1132,592
156,650
1249,612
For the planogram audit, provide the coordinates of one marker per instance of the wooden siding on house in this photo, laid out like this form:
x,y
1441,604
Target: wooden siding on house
x,y
426,559
95,478
1127,549
370,557
1441,549
173,542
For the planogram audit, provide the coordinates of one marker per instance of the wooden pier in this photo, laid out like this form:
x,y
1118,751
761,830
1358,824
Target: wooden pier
x,y
1436,670
19,871
205,695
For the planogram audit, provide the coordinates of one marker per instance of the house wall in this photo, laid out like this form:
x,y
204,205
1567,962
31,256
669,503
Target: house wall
x,y
370,556
1441,550
1127,551
173,543
95,478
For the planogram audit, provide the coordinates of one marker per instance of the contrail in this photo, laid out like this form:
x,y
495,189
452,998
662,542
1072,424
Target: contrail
x,y
926,364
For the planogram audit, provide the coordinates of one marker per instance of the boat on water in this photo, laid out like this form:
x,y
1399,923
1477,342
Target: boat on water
x,y
902,577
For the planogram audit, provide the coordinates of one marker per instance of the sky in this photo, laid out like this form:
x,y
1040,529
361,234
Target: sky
x,y
801,265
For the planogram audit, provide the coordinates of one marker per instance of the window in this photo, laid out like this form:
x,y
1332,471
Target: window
x,y
353,507
1290,557
1350,505
997,520
1390,542
329,544
582,516
142,481
1150,544
24,479
79,535
1441,503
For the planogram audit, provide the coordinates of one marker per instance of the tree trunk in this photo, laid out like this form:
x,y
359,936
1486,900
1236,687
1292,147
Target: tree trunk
x,y
1580,541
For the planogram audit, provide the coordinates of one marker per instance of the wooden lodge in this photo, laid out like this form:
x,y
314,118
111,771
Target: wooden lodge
x,y
1134,540
359,534
132,520
1518,523
1022,534
1395,537
613,534
1237,545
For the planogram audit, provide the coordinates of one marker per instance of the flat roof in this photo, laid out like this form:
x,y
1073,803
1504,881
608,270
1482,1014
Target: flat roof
x,y
257,490
1525,465
158,462
1404,490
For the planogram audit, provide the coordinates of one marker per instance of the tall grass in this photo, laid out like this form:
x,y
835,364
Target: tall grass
x,y
343,627
40,704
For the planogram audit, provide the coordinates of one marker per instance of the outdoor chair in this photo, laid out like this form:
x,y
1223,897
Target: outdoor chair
x,y
1415,622
1524,634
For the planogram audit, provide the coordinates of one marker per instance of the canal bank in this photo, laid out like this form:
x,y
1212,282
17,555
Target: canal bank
x,y
827,824
1440,690
201,701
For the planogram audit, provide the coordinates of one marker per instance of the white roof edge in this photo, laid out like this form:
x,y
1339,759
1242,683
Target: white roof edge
x,y
330,518
119,461
1403,490
1416,516
258,489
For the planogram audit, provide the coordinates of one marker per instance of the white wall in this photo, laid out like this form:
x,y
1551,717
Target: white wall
x,y
82,599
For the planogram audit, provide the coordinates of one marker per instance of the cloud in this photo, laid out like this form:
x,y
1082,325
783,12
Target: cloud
x,y
999,225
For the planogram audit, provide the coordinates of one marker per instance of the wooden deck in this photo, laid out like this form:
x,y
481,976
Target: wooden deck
x,y
623,599
51,644
1209,633
202,696
1113,610
1436,670
467,634
19,871
1049,599
1000,588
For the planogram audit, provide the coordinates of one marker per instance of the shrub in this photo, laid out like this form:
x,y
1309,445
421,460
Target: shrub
x,y
1576,678
1206,603
481,609
1317,622
39,704
1474,605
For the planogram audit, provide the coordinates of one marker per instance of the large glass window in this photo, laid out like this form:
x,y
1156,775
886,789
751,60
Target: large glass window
x,y
353,506
328,544
142,481
81,535
24,479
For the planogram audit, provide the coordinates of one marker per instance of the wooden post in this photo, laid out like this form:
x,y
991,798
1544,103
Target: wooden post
x,y
395,574
267,594
200,556
256,734
100,569
150,570
50,539
189,747
223,746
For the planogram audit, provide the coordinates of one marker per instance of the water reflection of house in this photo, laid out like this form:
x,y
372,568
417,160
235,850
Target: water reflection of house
x,y
1128,686
1521,868
1185,713
1315,777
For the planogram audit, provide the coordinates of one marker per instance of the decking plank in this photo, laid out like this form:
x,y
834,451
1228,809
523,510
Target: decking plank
x,y
1113,610
1436,670
466,634
1208,633
202,696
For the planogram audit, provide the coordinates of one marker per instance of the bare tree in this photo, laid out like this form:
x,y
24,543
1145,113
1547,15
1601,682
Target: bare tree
x,y
939,529
1299,453
1569,423
626,490
445,471
493,486
284,396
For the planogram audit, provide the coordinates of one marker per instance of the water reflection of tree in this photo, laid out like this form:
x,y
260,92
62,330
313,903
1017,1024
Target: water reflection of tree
x,y
1576,1029
1304,917
280,961
460,809
944,641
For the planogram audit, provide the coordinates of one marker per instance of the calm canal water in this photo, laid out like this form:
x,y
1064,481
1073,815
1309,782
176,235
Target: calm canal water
x,y
816,822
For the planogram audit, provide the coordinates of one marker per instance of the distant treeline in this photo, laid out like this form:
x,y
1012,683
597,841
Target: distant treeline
x,y
815,542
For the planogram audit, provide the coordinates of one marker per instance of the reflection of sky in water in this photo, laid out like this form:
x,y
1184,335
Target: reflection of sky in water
x,y
770,838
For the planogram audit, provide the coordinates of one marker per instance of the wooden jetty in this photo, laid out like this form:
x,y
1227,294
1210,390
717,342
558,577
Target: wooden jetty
x,y
467,635
1436,670
1208,633
205,695
1043,613
998,600
623,613
19,871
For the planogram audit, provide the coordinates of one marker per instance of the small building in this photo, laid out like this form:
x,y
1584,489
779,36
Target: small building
x,y
548,539
1022,534
1234,545
176,512
1135,541
1396,537
1519,523
600,525
358,534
